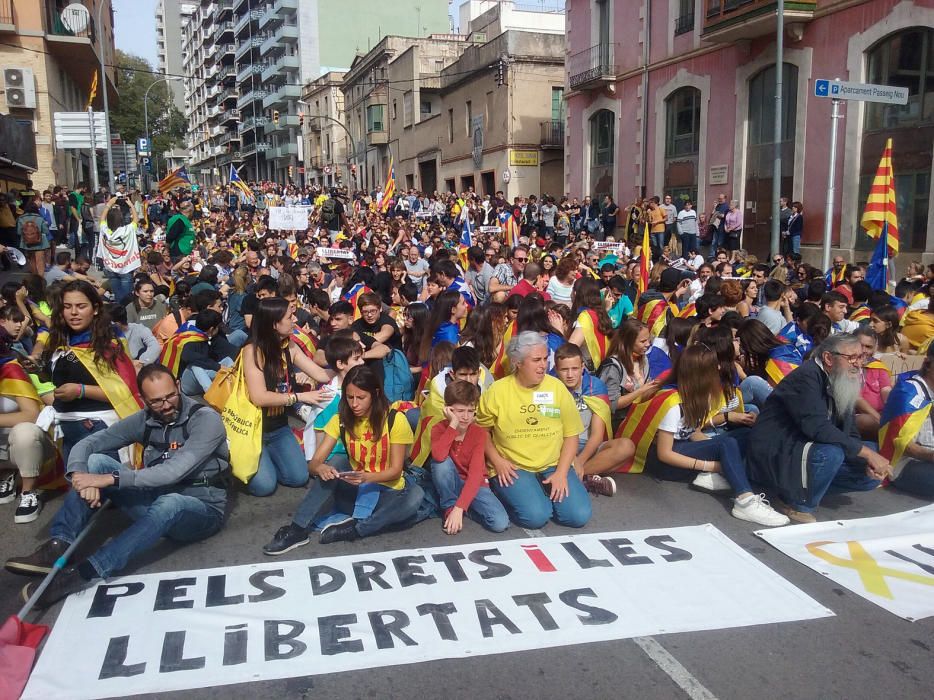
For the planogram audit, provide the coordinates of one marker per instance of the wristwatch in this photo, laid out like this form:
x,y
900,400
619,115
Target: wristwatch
x,y
116,477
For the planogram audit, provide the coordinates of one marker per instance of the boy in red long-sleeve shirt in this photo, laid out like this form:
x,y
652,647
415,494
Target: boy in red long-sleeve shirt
x,y
458,467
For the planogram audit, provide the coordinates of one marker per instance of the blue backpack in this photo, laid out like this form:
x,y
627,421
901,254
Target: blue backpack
x,y
398,382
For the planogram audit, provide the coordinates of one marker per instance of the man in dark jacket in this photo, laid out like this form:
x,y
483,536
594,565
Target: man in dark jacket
x,y
179,494
805,440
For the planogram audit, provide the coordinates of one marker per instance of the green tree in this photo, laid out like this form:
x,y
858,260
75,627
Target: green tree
x,y
167,125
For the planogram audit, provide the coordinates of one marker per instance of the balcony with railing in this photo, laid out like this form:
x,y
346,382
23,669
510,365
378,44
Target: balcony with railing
x,y
244,21
552,134
284,34
228,115
283,63
734,20
282,95
286,121
593,67
7,18
223,8
71,33
284,150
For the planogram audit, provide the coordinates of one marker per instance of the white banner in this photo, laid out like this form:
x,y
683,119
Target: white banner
x,y
119,250
336,253
490,229
888,560
155,633
288,218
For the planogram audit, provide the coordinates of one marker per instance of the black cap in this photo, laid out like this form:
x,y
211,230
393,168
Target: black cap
x,y
670,280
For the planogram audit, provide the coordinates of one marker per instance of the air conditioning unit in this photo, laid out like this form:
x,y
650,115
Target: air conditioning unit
x,y
19,87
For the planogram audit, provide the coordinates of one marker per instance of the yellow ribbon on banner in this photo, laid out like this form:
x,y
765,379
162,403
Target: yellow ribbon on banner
x,y
870,573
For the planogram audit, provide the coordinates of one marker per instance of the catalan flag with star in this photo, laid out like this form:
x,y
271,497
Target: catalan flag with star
x,y
906,409
176,178
234,180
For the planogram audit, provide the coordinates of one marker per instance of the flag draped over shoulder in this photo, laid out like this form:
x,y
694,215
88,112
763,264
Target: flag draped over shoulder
x,y
118,386
861,314
654,314
783,360
389,189
596,342
880,215
14,382
171,355
641,424
905,411
304,341
235,181
176,178
500,367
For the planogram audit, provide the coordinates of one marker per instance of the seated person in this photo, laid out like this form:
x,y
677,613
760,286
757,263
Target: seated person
x,y
595,454
141,344
805,438
877,383
366,483
189,355
909,444
682,449
180,493
534,424
458,467
466,367
343,353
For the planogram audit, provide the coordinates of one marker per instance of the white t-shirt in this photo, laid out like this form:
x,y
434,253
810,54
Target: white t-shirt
x,y
559,292
673,422
119,249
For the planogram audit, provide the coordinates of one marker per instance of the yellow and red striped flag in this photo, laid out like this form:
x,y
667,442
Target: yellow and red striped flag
x,y
644,264
176,178
389,189
880,206
92,93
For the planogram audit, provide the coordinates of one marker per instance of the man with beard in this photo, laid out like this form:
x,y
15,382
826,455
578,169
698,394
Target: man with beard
x,y
180,493
806,440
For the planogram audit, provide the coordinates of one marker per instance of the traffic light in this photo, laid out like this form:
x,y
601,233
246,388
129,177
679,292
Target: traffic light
x,y
500,72
290,172
275,117
301,119
353,169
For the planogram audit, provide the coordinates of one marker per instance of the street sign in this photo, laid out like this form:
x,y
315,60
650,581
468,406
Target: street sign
x,y
862,92
147,164
73,130
327,169
142,145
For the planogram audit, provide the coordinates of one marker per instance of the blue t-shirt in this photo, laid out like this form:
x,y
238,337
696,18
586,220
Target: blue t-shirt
x,y
446,331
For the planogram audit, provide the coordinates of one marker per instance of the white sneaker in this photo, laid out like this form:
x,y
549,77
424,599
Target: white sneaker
x,y
29,508
711,482
756,509
7,487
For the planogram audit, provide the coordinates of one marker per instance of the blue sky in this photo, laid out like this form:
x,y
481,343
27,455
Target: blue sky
x,y
135,28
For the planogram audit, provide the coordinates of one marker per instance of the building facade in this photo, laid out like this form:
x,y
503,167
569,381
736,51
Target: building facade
x,y
48,57
481,110
678,96
171,15
325,137
245,87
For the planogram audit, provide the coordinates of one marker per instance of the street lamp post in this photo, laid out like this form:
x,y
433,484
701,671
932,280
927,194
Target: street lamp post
x,y
352,154
146,108
110,160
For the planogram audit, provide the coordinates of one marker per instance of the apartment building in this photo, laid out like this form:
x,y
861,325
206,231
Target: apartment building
x,y
679,97
170,16
326,139
48,57
482,110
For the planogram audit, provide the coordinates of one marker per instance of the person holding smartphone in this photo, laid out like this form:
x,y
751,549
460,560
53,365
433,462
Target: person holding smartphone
x,y
366,485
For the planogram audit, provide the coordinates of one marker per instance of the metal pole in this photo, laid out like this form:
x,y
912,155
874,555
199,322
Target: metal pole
x,y
831,185
777,166
110,161
146,111
94,179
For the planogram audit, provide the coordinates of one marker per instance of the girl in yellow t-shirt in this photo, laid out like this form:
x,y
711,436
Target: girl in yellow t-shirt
x,y
366,484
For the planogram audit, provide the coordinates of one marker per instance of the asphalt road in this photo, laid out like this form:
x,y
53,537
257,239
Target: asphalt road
x,y
862,652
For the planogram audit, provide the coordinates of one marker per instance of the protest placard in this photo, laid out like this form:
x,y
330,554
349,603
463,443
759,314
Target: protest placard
x,y
288,218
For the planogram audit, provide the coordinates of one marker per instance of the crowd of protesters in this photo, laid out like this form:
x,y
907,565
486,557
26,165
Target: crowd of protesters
x,y
451,356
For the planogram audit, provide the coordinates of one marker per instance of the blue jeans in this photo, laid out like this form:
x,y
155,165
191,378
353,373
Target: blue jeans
x,y
396,508
74,432
657,241
917,478
196,380
237,338
795,243
121,285
688,243
155,514
485,507
719,236
827,467
281,462
720,448
755,391
530,506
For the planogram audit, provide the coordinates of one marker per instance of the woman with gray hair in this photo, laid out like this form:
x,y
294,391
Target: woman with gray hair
x,y
534,425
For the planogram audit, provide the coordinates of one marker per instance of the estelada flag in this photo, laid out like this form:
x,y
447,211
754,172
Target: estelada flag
x,y
510,229
641,424
353,296
880,209
594,339
906,409
783,360
176,178
171,355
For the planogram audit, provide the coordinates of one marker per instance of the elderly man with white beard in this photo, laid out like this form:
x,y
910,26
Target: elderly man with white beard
x,y
805,440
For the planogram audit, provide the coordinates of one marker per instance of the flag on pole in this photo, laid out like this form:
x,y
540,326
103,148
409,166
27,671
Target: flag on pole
x,y
880,215
176,178
877,276
465,242
93,91
389,189
235,181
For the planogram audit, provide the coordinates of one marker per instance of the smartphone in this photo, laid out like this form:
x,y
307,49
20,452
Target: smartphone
x,y
344,475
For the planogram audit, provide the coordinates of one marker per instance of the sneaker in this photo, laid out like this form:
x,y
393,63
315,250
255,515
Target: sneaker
x,y
286,539
29,508
7,487
798,516
343,531
600,485
711,482
67,581
39,562
756,509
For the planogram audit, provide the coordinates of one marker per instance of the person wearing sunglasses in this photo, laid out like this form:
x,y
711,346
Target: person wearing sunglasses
x,y
180,493
806,438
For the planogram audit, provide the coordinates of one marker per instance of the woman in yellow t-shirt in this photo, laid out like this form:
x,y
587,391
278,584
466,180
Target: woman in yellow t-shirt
x,y
534,424
365,481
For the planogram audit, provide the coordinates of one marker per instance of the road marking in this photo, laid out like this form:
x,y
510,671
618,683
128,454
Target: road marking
x,y
672,668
